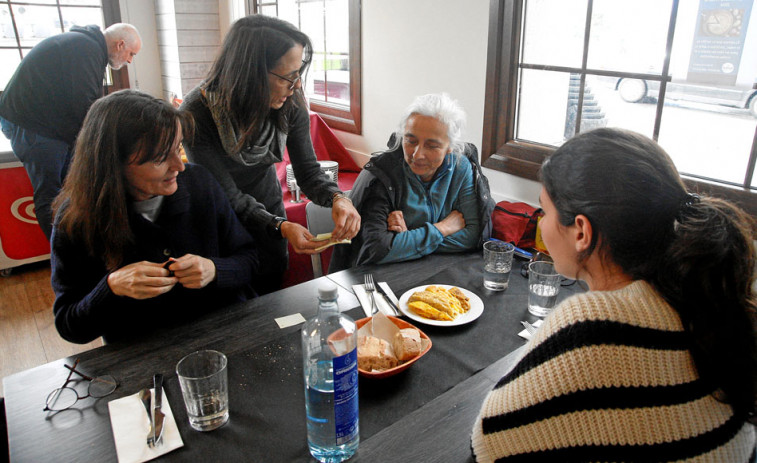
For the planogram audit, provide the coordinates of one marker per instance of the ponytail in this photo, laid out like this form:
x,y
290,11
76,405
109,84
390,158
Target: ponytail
x,y
707,275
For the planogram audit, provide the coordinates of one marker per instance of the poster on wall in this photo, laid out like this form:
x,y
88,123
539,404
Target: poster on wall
x,y
718,42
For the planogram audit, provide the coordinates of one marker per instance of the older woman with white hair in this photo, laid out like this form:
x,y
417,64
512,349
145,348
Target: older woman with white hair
x,y
425,194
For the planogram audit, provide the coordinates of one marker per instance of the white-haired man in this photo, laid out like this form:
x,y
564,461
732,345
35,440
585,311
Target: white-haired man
x,y
43,106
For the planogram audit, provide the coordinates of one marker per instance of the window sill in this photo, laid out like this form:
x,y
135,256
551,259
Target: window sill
x,y
338,117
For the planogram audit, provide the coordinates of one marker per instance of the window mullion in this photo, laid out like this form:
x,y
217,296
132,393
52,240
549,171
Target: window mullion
x,y
584,60
15,31
665,71
325,54
752,161
60,17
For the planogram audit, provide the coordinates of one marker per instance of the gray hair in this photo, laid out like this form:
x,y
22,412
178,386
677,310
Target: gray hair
x,y
122,31
441,107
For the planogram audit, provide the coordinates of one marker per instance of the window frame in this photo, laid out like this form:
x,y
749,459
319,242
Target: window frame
x,y
336,116
502,152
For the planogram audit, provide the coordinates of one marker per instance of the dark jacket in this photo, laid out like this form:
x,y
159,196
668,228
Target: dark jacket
x,y
197,219
255,191
56,83
383,168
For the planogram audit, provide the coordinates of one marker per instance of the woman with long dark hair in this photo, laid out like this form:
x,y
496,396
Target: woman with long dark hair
x,y
657,362
140,237
249,108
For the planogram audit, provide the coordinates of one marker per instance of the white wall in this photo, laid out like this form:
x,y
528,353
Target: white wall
x,y
412,47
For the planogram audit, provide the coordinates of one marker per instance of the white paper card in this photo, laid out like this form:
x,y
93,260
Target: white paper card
x,y
290,320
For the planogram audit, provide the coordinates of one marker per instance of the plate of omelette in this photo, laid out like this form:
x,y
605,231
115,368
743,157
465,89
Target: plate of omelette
x,y
441,305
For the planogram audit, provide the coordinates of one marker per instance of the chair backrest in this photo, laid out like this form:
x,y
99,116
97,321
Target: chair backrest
x,y
319,221
318,218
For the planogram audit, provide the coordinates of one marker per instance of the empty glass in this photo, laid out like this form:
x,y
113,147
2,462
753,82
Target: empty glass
x,y
205,388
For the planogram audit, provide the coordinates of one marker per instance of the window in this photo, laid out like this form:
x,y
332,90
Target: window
x,y
26,23
333,83
683,73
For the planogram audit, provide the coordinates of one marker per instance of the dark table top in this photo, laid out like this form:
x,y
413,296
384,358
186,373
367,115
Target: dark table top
x,y
426,412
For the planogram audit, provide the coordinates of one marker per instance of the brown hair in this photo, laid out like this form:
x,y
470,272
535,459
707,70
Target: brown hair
x,y
93,203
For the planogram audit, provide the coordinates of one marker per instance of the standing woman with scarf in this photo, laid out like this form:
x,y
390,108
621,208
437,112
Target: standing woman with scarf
x,y
250,107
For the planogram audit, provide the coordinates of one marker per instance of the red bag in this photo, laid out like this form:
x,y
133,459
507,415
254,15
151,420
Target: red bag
x,y
515,223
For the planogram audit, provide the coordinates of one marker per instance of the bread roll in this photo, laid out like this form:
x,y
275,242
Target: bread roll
x,y
407,344
373,354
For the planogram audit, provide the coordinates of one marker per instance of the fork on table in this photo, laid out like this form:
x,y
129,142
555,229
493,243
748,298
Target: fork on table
x,y
370,287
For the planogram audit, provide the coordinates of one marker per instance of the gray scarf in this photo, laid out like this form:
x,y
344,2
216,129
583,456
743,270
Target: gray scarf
x,y
266,150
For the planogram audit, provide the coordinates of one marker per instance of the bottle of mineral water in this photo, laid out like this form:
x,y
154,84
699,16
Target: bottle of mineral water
x,y
329,352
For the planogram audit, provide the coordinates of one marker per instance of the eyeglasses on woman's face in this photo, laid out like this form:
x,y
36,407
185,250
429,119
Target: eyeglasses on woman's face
x,y
293,82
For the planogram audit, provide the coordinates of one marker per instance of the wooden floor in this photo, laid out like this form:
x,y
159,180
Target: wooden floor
x,y
27,332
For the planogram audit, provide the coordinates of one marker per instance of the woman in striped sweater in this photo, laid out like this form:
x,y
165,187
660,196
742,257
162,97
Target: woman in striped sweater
x,y
657,361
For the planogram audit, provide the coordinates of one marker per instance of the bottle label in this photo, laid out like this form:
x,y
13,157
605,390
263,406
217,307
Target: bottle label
x,y
345,397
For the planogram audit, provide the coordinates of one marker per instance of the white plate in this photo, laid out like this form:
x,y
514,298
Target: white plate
x,y
476,308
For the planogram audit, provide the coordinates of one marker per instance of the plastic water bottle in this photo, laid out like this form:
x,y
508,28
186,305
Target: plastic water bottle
x,y
329,350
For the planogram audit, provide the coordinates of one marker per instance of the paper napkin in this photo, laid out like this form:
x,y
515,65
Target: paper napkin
x,y
327,236
525,334
365,300
128,418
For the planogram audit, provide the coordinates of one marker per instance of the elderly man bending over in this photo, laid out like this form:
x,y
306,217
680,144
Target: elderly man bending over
x,y
44,104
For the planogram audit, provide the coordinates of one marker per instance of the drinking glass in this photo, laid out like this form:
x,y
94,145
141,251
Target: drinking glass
x,y
205,388
498,261
543,286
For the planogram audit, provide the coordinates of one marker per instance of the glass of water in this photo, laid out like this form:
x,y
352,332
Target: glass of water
x,y
498,261
543,285
205,388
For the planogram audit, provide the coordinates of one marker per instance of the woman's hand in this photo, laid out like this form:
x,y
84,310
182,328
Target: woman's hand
x,y
193,271
396,222
453,223
346,220
141,280
299,237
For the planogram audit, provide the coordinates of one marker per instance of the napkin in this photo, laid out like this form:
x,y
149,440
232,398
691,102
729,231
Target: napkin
x,y
130,424
327,236
365,300
525,334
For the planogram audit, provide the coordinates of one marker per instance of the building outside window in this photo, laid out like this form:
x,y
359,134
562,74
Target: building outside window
x,y
24,24
683,72
333,84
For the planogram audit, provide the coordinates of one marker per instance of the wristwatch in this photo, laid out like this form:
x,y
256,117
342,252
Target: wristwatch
x,y
275,226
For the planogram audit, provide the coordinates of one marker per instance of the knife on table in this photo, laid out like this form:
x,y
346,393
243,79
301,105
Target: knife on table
x,y
157,413
388,300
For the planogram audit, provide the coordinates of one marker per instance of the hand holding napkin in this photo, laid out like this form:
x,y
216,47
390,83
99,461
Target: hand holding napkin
x,y
327,236
365,300
130,424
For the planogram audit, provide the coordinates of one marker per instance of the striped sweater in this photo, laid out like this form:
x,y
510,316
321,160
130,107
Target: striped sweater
x,y
608,377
